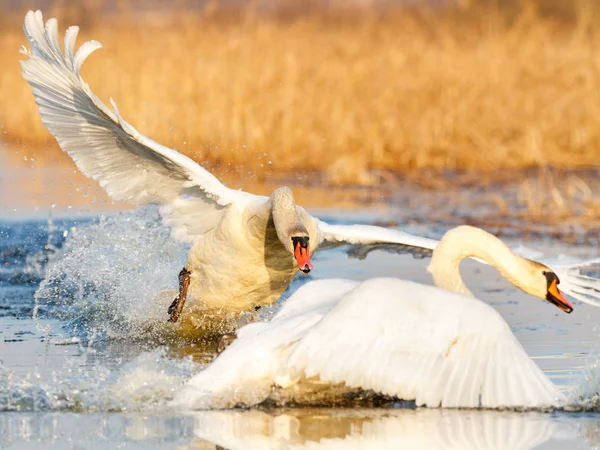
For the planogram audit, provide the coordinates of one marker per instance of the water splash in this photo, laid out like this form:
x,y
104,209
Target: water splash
x,y
106,277
146,383
585,394
25,249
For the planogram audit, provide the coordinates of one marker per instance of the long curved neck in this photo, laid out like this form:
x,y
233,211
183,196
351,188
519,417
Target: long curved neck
x,y
285,215
464,242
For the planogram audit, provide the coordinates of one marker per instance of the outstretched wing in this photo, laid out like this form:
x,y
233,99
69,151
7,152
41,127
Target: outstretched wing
x,y
363,239
436,347
245,372
128,165
572,281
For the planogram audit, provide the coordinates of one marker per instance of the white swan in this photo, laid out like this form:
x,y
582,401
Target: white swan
x,y
246,249
396,337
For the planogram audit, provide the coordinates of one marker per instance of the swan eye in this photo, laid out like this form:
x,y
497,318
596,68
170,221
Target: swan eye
x,y
550,277
302,240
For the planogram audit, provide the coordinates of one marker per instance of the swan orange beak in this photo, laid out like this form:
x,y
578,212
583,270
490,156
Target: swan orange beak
x,y
555,297
302,258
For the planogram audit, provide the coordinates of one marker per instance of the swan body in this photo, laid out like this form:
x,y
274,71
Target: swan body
x,y
241,263
395,337
245,249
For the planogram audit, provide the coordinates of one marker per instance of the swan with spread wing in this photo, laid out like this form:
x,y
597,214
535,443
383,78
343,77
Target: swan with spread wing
x,y
245,249
437,346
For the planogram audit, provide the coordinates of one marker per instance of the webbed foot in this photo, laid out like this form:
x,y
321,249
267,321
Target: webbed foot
x,y
177,305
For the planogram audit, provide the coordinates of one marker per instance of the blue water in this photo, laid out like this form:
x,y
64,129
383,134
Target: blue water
x,y
85,361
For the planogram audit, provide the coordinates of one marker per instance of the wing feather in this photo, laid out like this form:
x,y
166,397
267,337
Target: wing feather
x,y
366,238
373,341
128,165
424,344
246,370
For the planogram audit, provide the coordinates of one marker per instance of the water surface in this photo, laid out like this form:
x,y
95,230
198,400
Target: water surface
x,y
86,359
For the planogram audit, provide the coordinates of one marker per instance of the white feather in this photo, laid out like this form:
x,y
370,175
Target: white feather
x,y
395,337
129,166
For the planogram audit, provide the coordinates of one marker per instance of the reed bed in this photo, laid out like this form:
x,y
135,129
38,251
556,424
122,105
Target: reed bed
x,y
349,96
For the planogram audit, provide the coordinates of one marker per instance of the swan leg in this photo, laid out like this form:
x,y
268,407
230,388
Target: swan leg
x,y
177,305
225,341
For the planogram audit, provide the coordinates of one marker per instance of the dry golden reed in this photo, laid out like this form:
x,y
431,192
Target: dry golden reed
x,y
405,90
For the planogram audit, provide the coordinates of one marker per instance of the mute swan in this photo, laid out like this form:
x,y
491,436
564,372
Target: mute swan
x,y
396,337
246,249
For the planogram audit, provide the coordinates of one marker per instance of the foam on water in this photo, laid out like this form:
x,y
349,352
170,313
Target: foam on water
x,y
106,277
146,383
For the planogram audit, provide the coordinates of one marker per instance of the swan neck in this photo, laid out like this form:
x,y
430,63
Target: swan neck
x,y
285,215
466,242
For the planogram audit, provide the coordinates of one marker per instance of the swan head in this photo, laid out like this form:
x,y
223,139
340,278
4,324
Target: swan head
x,y
290,228
544,284
553,295
300,249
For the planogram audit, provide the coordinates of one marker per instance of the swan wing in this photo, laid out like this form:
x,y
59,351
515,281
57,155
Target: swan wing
x,y
425,344
244,373
573,281
364,239
128,165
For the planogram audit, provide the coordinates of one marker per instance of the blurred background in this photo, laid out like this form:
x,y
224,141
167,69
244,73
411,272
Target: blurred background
x,y
326,93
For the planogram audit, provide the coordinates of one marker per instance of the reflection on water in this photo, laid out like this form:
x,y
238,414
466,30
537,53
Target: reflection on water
x,y
301,429
93,431
411,429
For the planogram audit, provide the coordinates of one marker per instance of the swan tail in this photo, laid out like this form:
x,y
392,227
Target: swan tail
x,y
210,391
